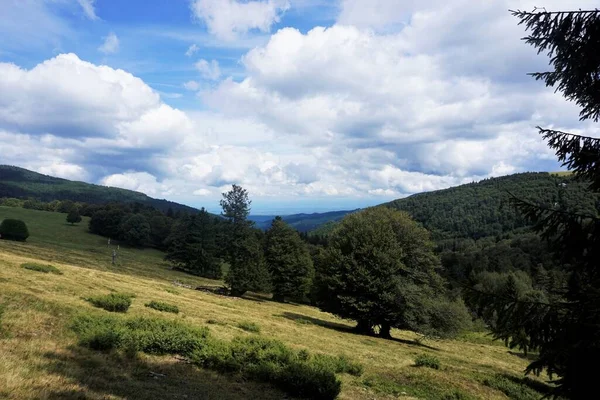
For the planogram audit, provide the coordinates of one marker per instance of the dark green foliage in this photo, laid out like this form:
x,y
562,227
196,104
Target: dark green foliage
x,y
563,325
236,206
149,335
135,230
14,229
288,261
164,307
65,206
160,229
380,270
271,361
244,253
107,221
192,245
115,302
424,360
73,217
249,326
483,209
247,267
23,184
42,268
571,40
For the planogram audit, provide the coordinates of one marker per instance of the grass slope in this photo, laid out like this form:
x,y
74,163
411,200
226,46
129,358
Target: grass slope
x,y
22,183
39,357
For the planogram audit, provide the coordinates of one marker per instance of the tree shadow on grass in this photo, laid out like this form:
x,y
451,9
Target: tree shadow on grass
x,y
520,385
303,319
107,375
529,356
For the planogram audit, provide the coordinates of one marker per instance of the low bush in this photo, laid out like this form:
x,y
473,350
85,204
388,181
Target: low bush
x,y
252,357
268,360
249,326
114,302
149,335
14,229
164,307
42,268
340,364
424,360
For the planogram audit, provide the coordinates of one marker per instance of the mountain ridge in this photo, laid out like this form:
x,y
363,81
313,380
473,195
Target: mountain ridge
x,y
22,183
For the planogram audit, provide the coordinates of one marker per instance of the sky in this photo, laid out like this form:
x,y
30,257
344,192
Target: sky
x,y
311,105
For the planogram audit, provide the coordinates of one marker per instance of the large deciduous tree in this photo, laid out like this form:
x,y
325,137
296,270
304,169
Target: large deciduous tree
x,y
380,270
73,217
243,251
563,325
288,261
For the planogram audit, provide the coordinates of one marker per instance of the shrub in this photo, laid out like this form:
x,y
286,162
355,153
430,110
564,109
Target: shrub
x,y
114,302
159,336
42,268
340,364
150,335
271,361
164,307
424,360
14,229
249,326
304,380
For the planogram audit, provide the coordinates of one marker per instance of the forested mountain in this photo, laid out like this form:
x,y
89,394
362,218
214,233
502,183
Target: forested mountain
x,y
481,209
24,184
300,222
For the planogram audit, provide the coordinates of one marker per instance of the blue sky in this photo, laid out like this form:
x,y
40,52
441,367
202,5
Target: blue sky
x,y
312,105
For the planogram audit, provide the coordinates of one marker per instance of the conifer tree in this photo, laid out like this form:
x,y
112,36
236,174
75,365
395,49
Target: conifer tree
x,y
288,261
243,250
192,246
563,326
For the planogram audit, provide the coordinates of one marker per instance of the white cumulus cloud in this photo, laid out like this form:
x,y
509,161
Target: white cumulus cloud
x,y
227,19
191,85
208,69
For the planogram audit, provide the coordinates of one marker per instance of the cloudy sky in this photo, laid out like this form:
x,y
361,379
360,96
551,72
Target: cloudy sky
x,y
312,105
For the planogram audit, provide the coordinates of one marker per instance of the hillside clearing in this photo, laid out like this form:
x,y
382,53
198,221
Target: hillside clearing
x,y
39,357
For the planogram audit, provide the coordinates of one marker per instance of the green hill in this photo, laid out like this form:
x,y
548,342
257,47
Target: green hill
x,y
301,222
483,208
24,184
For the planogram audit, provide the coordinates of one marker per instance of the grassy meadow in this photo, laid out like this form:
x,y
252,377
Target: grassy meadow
x,y
40,358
